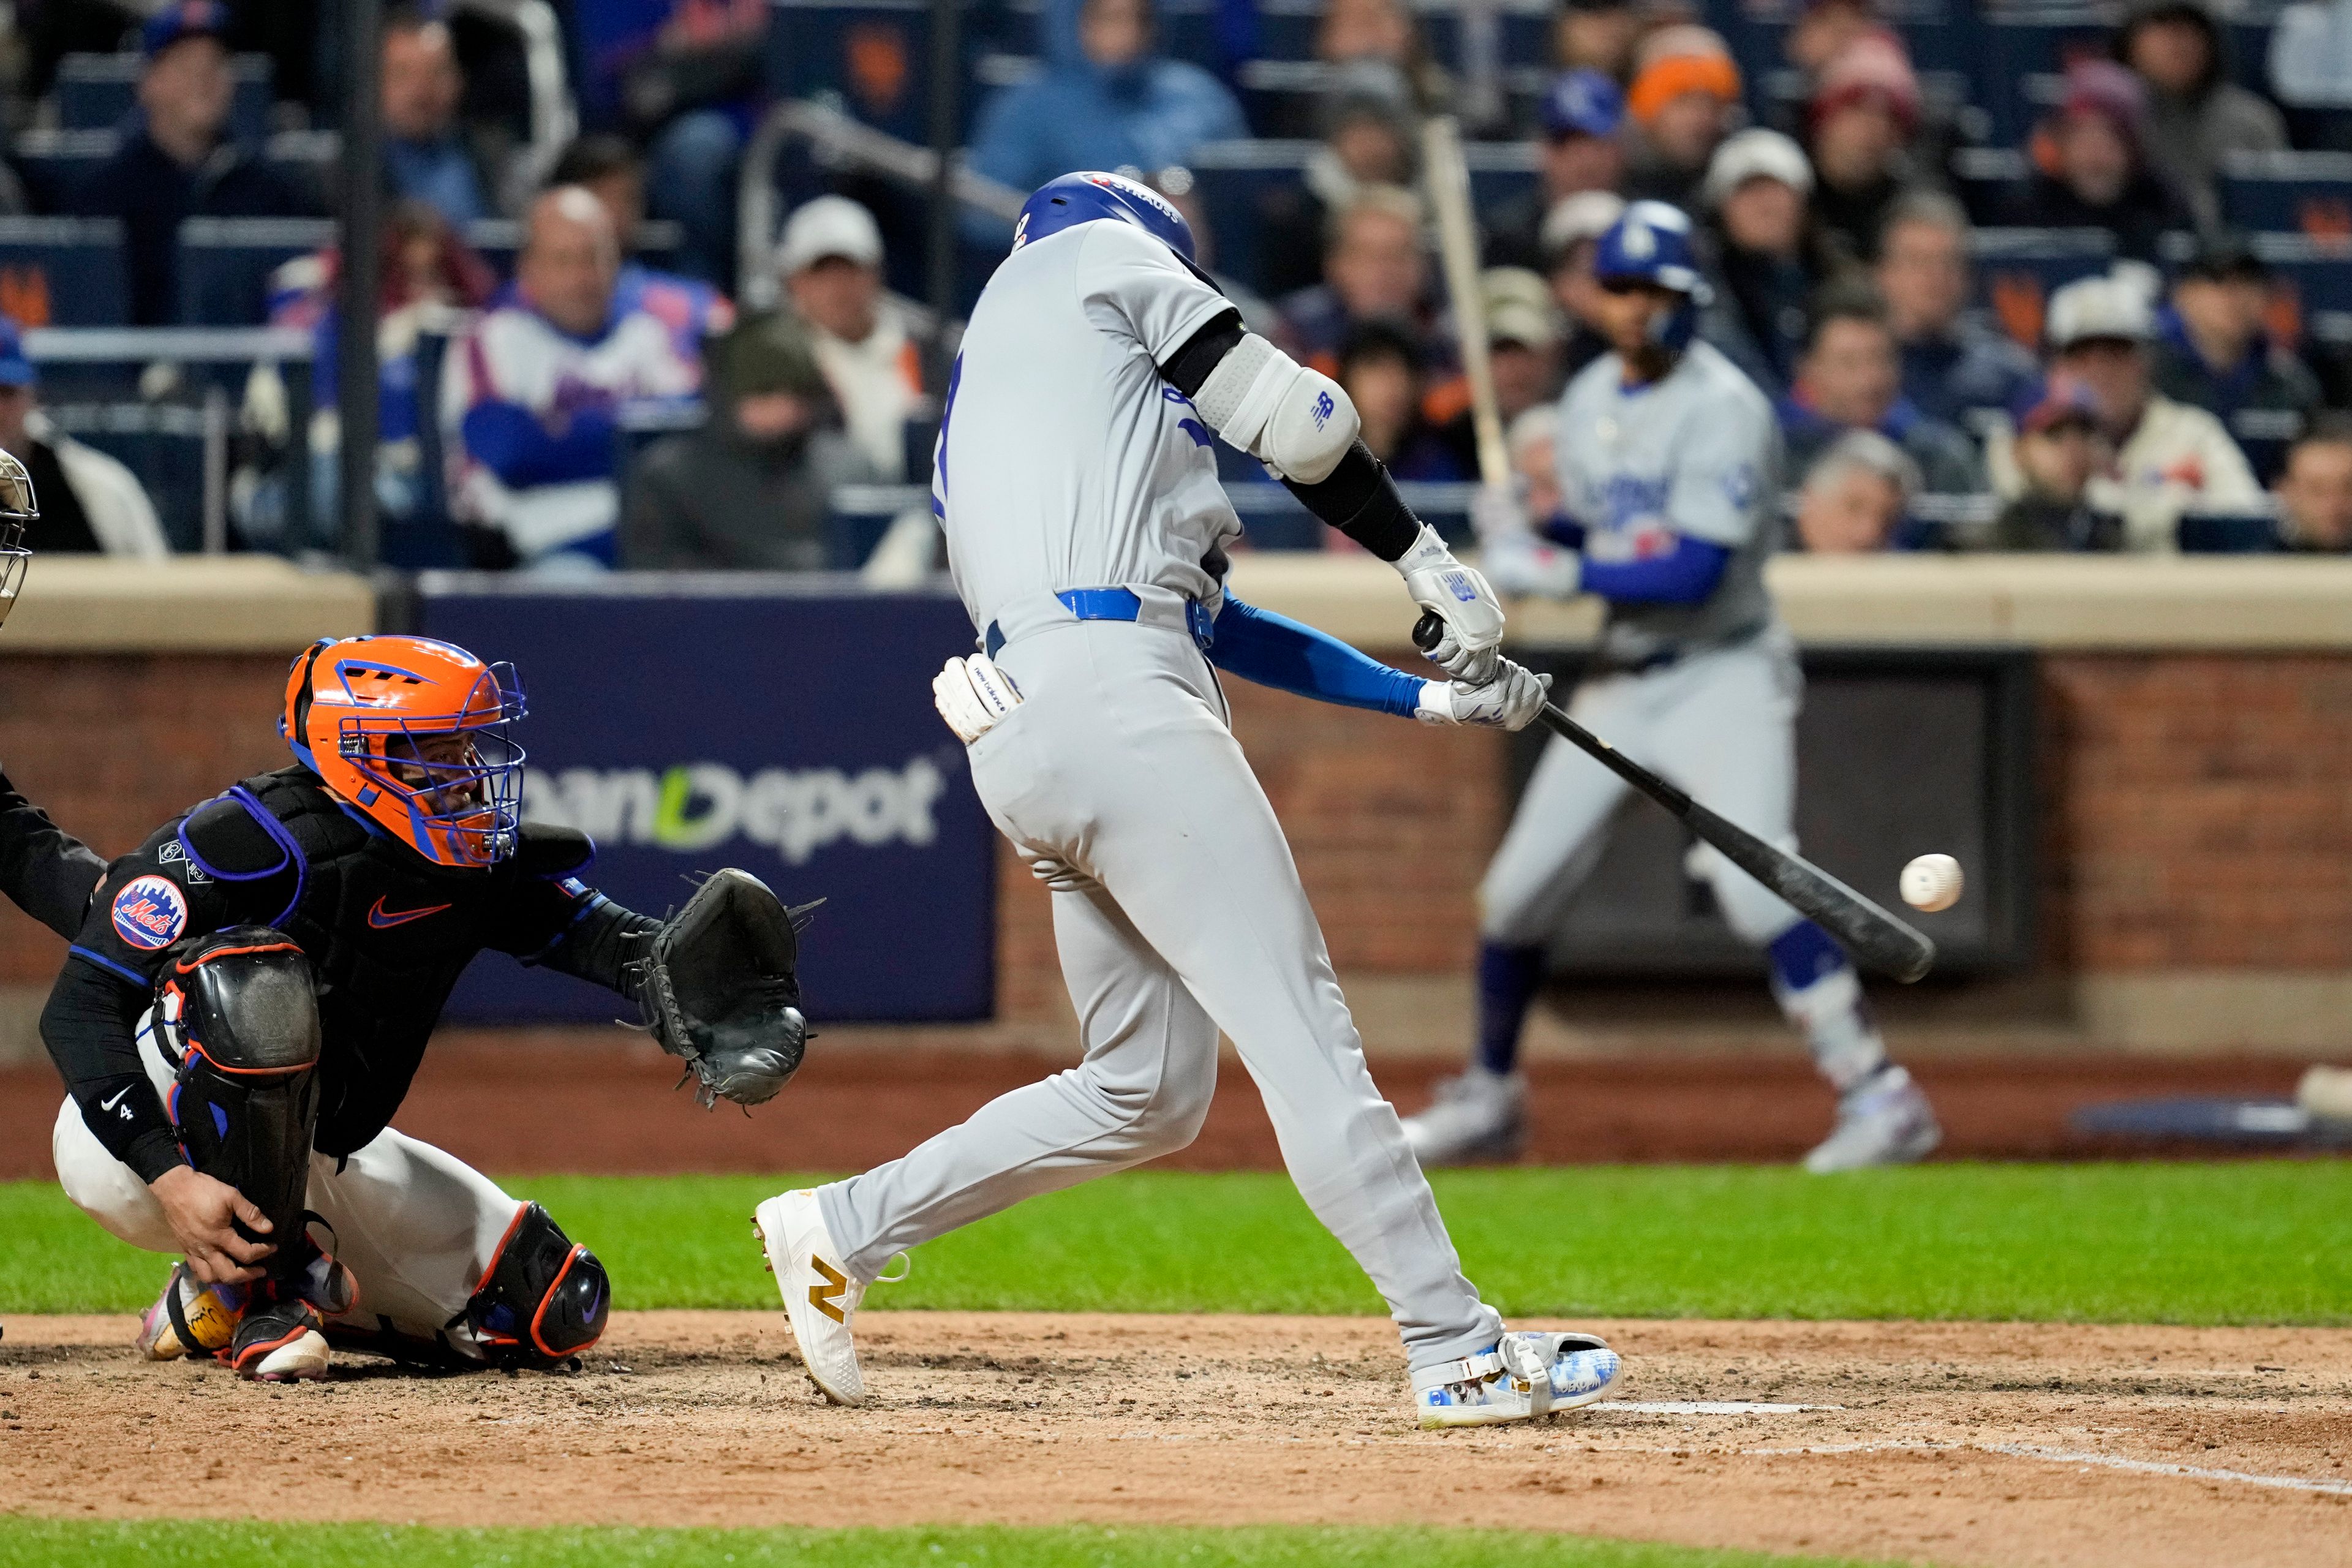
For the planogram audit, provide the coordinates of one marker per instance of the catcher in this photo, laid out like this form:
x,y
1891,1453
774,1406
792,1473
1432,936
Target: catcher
x,y
245,1005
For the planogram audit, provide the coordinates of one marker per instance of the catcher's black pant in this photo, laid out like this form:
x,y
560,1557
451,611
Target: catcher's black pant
x,y
417,1225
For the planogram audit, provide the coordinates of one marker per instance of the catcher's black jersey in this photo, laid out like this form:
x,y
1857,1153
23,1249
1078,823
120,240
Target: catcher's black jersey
x,y
387,934
44,870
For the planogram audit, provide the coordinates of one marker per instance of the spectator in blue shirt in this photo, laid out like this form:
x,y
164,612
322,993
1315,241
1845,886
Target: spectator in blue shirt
x,y
176,160
1954,361
2213,349
1105,100
1848,381
427,154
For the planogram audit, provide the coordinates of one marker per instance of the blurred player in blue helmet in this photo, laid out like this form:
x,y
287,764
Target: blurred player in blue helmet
x,y
1669,463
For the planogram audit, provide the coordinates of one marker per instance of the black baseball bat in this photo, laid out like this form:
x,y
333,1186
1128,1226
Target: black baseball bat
x,y
1868,931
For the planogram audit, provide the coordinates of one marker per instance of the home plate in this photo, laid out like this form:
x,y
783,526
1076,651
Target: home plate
x,y
1708,1408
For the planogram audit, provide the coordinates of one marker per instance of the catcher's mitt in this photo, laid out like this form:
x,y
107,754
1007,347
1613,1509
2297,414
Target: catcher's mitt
x,y
718,987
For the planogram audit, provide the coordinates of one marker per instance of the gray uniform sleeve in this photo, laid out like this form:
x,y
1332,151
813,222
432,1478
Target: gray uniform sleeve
x,y
1131,285
1726,472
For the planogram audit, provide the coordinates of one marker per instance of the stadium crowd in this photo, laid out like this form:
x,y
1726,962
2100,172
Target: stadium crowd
x,y
568,383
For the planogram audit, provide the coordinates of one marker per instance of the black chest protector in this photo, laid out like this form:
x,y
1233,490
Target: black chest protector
x,y
386,932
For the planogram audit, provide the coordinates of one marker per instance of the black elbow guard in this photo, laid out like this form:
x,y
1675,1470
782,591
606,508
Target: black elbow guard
x,y
1361,502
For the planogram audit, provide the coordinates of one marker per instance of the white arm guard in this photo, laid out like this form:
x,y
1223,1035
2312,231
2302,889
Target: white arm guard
x,y
1295,420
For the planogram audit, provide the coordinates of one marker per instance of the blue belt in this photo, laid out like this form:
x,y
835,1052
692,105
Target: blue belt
x,y
1115,605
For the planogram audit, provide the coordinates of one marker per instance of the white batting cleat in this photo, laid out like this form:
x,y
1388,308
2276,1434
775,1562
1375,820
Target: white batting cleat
x,y
820,1297
1479,1118
1525,1375
1884,1121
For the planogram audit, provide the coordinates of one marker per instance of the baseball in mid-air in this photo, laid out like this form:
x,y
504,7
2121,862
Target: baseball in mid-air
x,y
1932,883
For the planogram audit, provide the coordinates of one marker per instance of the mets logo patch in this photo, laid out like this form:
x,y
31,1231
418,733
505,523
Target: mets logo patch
x,y
150,912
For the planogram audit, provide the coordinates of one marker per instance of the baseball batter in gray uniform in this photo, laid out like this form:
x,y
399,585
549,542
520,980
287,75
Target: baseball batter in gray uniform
x,y
1086,532
1669,465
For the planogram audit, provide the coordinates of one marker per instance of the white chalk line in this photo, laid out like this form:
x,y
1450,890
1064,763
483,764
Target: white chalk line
x,y
2074,1456
1706,1407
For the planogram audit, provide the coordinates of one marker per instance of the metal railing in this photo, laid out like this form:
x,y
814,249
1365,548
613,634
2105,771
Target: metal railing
x,y
554,119
843,142
212,422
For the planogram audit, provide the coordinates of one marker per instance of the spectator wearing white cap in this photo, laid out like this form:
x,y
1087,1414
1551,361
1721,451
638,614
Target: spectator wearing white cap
x,y
2169,459
1571,231
830,262
1523,337
1764,255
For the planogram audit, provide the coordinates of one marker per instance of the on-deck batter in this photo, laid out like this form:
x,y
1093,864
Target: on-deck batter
x,y
1669,464
1086,532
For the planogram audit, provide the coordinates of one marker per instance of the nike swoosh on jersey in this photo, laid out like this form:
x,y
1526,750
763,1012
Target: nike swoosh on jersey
x,y
384,919
110,1104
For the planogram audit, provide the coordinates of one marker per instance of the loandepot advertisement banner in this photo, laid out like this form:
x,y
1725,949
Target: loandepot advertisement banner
x,y
687,723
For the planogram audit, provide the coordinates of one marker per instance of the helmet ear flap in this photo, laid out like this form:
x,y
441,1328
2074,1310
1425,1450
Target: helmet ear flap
x,y
294,723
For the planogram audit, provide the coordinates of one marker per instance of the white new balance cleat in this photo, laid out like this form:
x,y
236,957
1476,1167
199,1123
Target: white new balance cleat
x,y
1479,1118
1884,1121
1524,1376
819,1295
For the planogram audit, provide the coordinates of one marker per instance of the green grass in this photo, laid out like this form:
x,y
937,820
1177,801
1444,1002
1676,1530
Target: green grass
x,y
235,1545
2258,1242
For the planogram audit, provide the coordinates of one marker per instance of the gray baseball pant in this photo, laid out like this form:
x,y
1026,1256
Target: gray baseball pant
x,y
1177,911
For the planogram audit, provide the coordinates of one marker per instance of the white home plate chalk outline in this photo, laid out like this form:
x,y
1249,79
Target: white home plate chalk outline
x,y
1706,1407
2073,1457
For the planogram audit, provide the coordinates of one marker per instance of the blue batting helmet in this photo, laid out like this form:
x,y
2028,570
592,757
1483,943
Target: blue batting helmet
x,y
1085,197
1650,243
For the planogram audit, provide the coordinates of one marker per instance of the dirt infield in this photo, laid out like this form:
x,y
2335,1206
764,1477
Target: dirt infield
x,y
1941,1443
538,1104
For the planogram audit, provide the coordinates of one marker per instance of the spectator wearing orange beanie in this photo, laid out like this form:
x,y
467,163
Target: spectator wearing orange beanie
x,y
1685,92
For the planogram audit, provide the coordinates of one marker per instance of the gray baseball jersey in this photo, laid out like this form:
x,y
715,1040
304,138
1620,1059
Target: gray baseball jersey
x,y
1065,461
1696,452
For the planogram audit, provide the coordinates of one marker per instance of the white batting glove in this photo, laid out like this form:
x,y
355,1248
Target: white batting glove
x,y
1499,509
972,694
1471,616
1510,701
1524,563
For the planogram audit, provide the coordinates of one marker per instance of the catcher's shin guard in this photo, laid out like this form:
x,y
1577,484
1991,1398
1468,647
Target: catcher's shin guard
x,y
542,1300
239,1013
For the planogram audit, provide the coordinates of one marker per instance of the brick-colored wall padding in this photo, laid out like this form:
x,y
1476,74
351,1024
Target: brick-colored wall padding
x,y
2196,808
2198,812
115,745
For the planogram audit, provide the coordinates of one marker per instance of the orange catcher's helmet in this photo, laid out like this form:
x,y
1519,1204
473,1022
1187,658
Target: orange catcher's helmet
x,y
413,732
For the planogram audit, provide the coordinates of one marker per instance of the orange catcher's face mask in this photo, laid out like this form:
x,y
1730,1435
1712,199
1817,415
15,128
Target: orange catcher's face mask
x,y
414,733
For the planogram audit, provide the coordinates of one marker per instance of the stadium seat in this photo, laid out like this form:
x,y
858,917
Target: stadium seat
x,y
2309,193
226,263
871,57
2022,56
56,164
98,93
63,272
2213,534
2017,269
1233,179
162,443
2315,286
